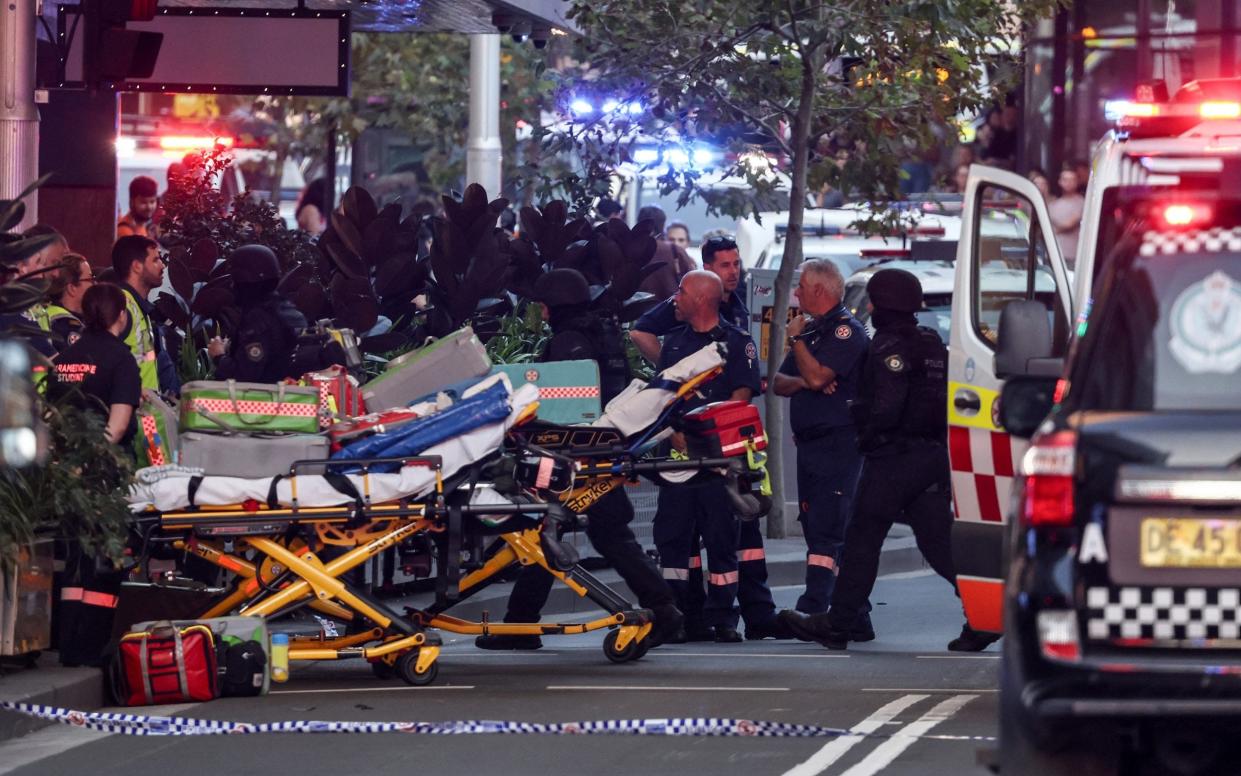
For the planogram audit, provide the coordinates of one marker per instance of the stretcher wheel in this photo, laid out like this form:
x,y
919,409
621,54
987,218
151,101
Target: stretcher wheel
x,y
632,651
407,669
382,669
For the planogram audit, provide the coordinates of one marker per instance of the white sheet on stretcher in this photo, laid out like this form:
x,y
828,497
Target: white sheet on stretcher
x,y
636,408
171,490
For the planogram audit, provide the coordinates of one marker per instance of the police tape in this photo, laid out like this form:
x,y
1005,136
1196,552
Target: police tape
x,y
149,725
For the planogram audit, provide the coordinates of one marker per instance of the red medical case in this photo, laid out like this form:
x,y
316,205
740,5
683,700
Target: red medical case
x,y
352,430
723,429
166,664
344,390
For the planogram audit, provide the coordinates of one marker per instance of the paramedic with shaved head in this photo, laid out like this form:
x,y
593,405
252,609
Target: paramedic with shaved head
x,y
686,512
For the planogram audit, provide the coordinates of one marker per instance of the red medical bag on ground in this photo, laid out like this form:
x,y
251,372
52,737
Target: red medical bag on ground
x,y
723,429
343,390
166,664
352,430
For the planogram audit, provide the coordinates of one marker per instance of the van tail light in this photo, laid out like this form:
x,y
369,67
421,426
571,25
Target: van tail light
x,y
1048,468
1057,635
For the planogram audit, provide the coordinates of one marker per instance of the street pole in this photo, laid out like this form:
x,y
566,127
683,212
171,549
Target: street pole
x,y
19,118
482,156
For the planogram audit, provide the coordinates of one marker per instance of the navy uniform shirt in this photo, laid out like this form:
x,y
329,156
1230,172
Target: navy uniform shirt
x,y
662,318
838,342
740,363
98,371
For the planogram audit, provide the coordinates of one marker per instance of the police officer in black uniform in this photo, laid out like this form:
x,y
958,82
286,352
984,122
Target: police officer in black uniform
x,y
820,374
578,334
266,338
901,414
687,512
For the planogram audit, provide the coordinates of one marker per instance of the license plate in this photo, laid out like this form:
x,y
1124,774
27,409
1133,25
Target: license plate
x,y
1191,542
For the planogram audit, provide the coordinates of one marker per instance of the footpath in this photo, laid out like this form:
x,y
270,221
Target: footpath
x,y
49,683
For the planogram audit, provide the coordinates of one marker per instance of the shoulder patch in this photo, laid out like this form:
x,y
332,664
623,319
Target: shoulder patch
x,y
73,337
254,351
894,363
844,331
751,352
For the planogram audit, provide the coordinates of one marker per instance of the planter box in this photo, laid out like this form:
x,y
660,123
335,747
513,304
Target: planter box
x,y
26,601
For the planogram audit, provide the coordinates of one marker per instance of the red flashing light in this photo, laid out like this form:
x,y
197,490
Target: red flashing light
x,y
1183,214
1048,466
193,142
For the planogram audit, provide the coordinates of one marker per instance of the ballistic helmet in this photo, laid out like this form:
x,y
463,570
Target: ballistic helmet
x,y
562,287
254,264
895,290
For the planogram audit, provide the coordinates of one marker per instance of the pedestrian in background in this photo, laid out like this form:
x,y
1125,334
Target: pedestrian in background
x,y
678,234
1065,212
310,214
820,375
901,413
674,261
143,201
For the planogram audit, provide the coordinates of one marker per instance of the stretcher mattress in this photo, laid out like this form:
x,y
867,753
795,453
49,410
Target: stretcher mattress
x,y
167,488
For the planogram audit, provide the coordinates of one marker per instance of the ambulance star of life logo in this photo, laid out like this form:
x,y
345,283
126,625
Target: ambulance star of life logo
x,y
532,375
1206,326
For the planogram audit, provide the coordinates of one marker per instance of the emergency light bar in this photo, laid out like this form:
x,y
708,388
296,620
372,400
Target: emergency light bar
x,y
193,142
1153,114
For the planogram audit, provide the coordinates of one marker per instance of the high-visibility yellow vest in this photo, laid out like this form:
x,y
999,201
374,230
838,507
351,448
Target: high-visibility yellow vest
x,y
141,342
40,315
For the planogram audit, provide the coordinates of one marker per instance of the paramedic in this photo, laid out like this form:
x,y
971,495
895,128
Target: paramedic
x,y
266,337
721,256
820,375
69,284
901,415
98,368
687,512
578,334
139,270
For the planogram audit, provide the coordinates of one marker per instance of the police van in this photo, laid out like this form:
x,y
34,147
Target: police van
x,y
1108,548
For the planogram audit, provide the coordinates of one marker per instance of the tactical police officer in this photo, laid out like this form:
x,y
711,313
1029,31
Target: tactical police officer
x,y
267,334
721,256
686,512
901,414
820,374
577,334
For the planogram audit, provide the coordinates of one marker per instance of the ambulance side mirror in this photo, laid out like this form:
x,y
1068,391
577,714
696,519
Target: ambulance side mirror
x,y
1024,338
1025,402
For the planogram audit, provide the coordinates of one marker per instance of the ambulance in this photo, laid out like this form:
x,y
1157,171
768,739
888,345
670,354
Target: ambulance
x,y
1110,556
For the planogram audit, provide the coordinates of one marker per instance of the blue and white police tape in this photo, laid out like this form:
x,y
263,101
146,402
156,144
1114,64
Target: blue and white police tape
x,y
144,725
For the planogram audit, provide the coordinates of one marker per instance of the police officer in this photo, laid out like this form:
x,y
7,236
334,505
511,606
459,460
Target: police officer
x,y
686,512
577,334
267,333
820,374
721,256
901,414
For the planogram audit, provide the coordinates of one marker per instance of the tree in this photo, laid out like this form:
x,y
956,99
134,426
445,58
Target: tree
x,y
842,91
416,84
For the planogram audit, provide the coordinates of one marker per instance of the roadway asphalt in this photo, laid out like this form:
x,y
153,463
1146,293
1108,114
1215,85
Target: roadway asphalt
x,y
902,684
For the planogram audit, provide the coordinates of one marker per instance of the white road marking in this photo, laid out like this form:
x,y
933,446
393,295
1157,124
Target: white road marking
x,y
835,749
926,689
664,688
373,689
957,657
58,738
883,755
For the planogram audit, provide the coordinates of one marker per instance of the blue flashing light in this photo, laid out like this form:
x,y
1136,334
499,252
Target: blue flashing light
x,y
646,155
582,107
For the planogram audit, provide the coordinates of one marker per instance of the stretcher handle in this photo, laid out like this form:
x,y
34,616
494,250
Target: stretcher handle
x,y
670,465
430,461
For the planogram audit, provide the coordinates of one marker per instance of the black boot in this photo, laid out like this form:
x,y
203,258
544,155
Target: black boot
x,y
972,640
669,622
771,629
814,627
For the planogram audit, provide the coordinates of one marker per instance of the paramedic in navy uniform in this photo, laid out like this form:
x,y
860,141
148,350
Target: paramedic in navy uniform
x,y
820,374
720,255
704,510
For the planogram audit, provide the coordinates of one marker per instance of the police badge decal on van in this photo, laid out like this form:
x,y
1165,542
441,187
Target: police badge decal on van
x,y
1206,326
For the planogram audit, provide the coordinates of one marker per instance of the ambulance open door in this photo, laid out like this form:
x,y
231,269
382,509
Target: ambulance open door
x,y
1007,263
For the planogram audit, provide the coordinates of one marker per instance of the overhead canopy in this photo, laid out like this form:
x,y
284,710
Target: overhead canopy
x,y
464,16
